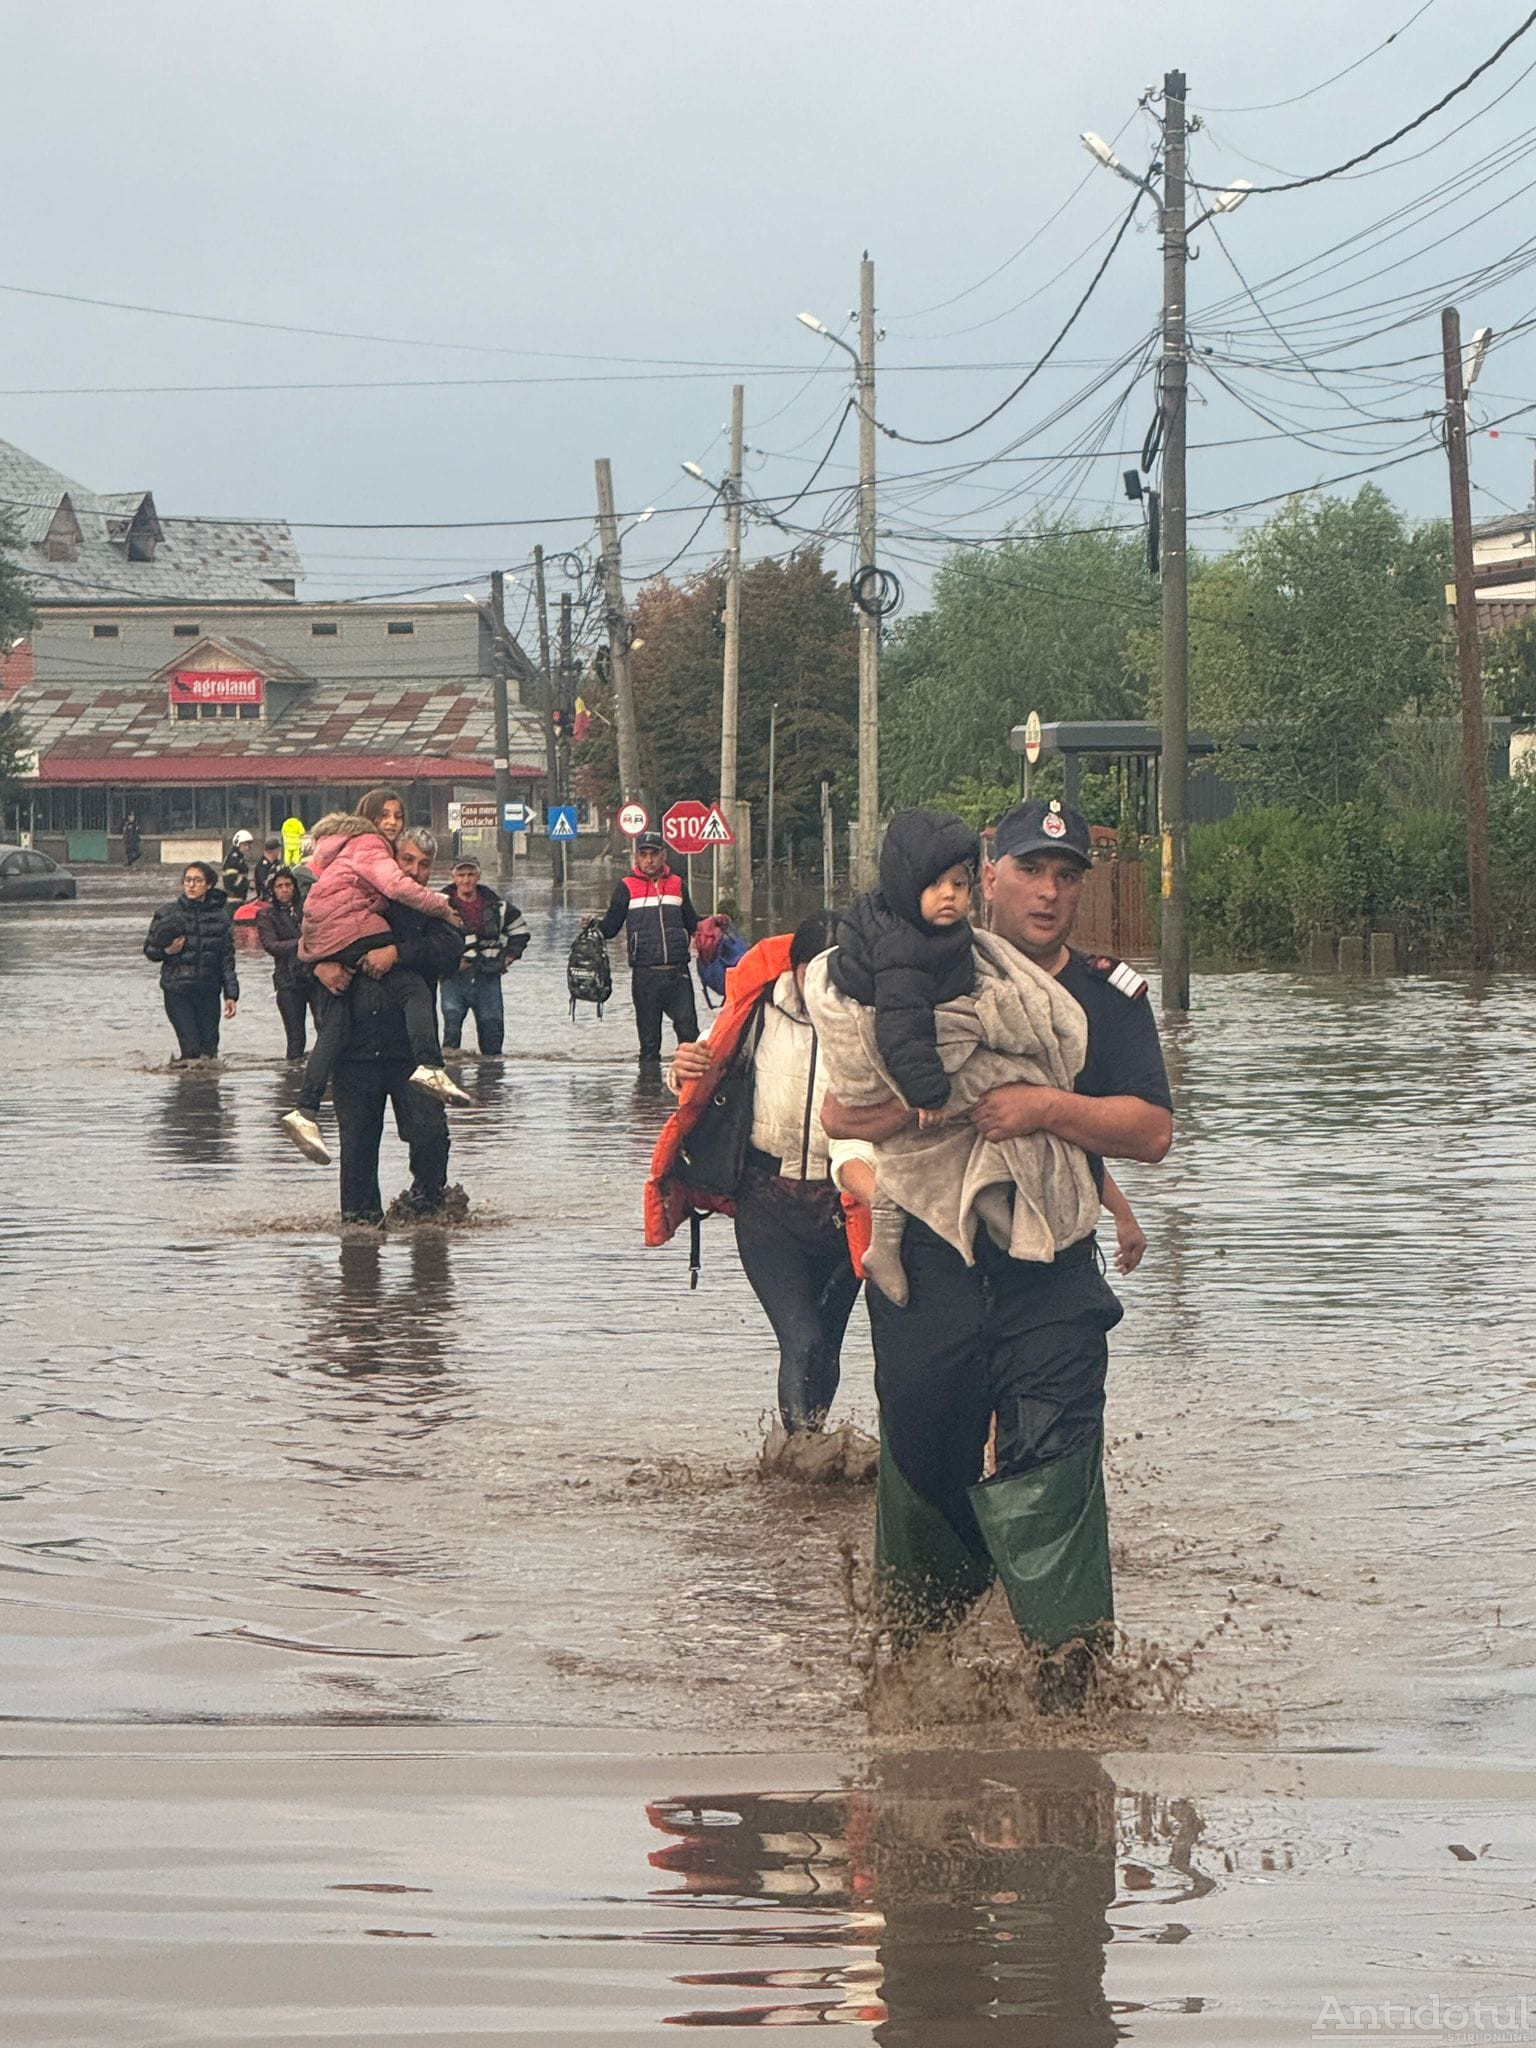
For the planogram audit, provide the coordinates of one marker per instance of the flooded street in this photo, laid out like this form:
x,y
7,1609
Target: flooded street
x,y
443,1561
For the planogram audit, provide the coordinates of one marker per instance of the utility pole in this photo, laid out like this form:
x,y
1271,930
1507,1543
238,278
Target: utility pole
x,y
547,708
869,623
828,848
730,695
567,710
504,848
773,762
1474,740
618,639
1174,386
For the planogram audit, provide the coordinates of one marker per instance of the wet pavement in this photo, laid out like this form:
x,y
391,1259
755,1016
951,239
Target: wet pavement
x,y
258,1472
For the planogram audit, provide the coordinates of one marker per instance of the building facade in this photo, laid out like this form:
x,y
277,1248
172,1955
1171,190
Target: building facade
x,y
172,673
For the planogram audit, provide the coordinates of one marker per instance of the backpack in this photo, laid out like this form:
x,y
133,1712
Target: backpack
x,y
587,973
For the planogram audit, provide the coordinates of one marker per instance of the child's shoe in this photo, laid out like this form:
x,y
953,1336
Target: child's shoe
x,y
439,1082
305,1133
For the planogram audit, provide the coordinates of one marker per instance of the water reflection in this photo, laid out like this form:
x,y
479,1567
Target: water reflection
x,y
964,1892
195,1127
388,1310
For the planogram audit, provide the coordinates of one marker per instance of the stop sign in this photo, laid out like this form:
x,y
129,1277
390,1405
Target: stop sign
x,y
683,827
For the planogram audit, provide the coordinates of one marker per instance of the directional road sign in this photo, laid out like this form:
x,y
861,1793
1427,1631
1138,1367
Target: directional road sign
x,y
633,820
517,817
562,821
472,817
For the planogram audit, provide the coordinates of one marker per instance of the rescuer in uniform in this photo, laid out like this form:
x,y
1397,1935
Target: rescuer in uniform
x,y
1025,1343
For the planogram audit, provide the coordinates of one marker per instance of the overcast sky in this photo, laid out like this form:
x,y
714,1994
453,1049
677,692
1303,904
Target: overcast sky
x,y
553,188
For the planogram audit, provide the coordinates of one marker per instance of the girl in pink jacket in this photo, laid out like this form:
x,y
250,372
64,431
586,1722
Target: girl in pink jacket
x,y
357,878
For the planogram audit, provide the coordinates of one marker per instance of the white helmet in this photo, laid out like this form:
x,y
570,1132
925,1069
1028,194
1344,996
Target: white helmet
x,y
244,839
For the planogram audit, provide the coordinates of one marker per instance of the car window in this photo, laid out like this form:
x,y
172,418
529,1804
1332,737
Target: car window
x,y
11,865
37,864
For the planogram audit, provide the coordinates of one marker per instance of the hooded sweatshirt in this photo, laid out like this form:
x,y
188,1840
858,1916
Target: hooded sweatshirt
x,y
890,959
356,877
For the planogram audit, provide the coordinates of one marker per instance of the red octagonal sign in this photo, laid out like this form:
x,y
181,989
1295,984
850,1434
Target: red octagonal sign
x,y
683,827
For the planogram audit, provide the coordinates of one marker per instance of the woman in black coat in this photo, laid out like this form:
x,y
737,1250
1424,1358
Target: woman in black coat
x,y
277,926
194,941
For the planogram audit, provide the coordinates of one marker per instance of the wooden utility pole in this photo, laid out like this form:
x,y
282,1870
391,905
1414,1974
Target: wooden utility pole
x,y
617,619
1174,386
869,623
730,695
773,763
504,847
1474,737
547,711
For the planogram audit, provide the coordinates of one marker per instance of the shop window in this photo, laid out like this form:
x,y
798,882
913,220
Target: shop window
x,y
186,712
208,809
176,810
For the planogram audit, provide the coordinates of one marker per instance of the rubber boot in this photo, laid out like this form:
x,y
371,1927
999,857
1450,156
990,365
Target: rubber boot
x,y
1048,1534
925,1576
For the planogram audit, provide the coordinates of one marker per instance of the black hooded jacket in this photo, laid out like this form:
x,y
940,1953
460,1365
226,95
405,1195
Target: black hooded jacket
x,y
892,961
208,957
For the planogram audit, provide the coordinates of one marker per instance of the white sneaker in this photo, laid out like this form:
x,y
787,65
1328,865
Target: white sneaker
x,y
439,1082
305,1133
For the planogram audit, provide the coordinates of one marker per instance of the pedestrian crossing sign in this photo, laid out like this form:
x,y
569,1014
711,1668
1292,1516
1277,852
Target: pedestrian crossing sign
x,y
562,821
715,831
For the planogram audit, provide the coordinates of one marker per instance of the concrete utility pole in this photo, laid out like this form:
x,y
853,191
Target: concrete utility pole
x,y
547,711
869,623
504,847
566,697
726,857
1474,740
1174,386
617,619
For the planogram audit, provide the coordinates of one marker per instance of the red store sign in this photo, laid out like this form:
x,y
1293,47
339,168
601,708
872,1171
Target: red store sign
x,y
217,686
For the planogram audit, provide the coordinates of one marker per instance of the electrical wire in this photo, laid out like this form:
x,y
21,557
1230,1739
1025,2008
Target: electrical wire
x,y
1408,127
1269,106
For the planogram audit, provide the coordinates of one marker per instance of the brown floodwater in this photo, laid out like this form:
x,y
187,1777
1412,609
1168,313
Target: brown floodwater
x,y
444,1497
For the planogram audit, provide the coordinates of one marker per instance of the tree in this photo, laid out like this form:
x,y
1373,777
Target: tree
x,y
798,649
1509,671
1310,637
1041,624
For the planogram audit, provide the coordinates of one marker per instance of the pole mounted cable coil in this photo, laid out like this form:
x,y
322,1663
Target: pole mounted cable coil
x,y
876,591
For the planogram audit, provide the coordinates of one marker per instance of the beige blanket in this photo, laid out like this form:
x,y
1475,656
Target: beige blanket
x,y
1035,1193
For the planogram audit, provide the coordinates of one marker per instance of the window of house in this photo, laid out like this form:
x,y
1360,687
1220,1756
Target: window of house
x,y
99,632
185,632
324,629
401,626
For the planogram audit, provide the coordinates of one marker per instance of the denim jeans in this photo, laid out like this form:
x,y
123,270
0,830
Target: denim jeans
x,y
479,994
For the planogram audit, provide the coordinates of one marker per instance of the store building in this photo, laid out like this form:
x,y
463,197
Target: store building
x,y
172,672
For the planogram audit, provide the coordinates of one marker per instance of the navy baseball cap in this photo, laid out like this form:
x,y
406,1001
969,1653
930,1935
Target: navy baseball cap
x,y
650,842
1043,828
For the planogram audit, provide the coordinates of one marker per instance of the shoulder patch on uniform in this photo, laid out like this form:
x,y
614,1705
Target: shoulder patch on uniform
x,y
1129,983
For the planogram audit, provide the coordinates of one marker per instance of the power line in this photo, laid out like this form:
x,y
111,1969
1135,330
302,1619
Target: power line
x,y
1269,106
1365,155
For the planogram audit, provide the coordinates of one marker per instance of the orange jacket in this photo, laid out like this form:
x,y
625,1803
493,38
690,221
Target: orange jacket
x,y
667,1200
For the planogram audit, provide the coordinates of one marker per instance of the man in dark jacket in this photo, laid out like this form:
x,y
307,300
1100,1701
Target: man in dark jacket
x,y
652,907
374,1069
495,934
267,867
235,876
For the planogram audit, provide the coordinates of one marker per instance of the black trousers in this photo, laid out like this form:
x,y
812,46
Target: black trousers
x,y
194,1014
293,1007
794,1253
1024,1342
663,992
403,986
361,1090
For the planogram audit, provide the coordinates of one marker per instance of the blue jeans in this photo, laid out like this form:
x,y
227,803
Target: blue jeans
x,y
480,993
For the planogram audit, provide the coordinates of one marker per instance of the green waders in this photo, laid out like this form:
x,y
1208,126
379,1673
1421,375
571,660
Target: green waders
x,y
1048,1534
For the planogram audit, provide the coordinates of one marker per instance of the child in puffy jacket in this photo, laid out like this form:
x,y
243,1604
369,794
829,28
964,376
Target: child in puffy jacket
x,y
357,877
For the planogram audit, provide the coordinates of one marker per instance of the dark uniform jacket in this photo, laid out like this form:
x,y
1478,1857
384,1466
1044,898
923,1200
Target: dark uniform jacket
x,y
208,957
236,875
891,961
504,940
277,926
433,948
657,918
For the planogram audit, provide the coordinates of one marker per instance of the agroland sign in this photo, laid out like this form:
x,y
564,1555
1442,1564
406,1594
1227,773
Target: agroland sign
x,y
217,686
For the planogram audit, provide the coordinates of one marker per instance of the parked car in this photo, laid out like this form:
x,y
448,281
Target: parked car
x,y
28,877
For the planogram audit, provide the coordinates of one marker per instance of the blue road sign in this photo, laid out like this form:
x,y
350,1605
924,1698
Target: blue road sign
x,y
562,821
517,817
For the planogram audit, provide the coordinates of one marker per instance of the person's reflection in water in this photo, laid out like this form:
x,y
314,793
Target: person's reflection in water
x,y
195,1129
979,1883
376,1322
